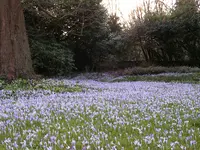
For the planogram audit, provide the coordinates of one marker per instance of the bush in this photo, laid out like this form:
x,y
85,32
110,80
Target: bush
x,y
51,57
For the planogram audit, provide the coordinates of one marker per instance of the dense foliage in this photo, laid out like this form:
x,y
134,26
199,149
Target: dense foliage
x,y
167,34
80,34
66,34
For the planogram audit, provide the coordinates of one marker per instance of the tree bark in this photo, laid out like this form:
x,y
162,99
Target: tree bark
x,y
15,56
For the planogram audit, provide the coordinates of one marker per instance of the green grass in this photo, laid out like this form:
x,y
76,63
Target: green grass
x,y
23,84
84,126
159,69
103,123
189,78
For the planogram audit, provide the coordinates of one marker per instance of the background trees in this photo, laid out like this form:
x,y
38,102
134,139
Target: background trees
x,y
70,33
165,34
66,35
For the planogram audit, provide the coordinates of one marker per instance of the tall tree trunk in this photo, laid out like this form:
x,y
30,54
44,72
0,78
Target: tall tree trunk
x,y
15,56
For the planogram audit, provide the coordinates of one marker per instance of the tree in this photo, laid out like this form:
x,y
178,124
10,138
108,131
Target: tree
x,y
87,31
50,53
81,25
187,16
15,57
114,24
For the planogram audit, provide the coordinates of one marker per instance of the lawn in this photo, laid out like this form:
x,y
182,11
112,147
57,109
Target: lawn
x,y
86,114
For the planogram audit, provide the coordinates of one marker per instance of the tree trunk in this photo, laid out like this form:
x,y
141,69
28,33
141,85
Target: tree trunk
x,y
15,56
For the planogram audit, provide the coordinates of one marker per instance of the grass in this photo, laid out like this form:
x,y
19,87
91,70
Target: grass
x,y
23,84
159,69
126,116
188,78
128,134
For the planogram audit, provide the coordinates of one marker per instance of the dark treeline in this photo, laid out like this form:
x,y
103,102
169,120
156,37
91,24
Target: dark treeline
x,y
67,35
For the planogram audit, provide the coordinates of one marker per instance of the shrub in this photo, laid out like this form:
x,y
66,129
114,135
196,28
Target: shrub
x,y
51,57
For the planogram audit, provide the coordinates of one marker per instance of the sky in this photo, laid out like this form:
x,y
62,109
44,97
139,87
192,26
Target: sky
x,y
124,7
